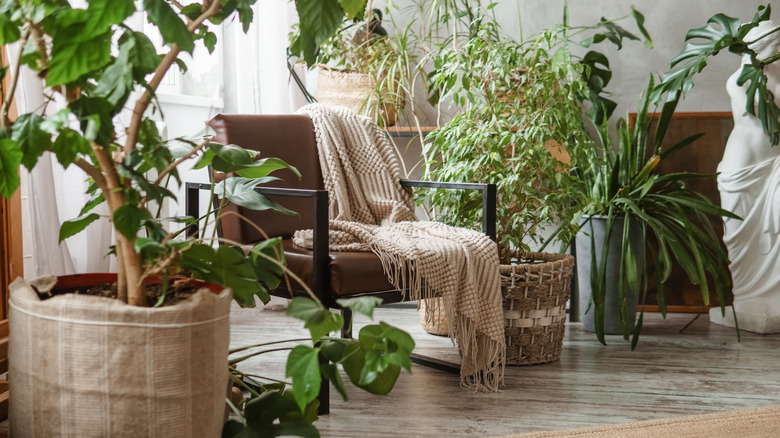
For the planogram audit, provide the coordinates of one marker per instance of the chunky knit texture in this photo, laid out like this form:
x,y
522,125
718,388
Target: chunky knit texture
x,y
371,211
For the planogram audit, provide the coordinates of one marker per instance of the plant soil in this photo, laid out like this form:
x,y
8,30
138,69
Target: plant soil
x,y
176,292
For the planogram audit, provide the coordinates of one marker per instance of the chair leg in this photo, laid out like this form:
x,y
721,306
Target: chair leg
x,y
324,395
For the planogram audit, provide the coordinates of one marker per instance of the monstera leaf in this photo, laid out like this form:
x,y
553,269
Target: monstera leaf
x,y
723,32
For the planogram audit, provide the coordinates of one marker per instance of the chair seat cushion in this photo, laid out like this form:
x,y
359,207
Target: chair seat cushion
x,y
351,273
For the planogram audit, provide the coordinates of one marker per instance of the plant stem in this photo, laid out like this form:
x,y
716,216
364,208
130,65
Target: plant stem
x,y
5,122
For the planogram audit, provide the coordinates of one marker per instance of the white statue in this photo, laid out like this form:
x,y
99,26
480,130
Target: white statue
x,y
749,185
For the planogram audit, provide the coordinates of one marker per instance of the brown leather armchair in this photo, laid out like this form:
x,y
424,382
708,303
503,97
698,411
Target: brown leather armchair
x,y
330,275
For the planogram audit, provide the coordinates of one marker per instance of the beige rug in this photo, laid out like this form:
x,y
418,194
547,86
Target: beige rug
x,y
749,423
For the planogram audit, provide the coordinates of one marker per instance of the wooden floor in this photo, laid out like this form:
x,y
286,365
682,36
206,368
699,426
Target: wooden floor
x,y
670,374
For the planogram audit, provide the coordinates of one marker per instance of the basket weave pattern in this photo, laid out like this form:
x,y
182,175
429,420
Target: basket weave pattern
x,y
535,293
351,89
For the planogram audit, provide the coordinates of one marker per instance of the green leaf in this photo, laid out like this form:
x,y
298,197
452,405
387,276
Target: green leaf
x,y
10,159
364,305
227,267
210,41
265,166
127,220
95,117
30,138
172,28
640,23
103,13
304,368
75,226
765,109
9,31
319,19
331,372
68,145
241,191
319,320
353,8
71,59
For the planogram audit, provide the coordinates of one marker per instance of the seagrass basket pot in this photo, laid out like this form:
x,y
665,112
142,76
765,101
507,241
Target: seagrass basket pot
x,y
535,291
534,295
356,91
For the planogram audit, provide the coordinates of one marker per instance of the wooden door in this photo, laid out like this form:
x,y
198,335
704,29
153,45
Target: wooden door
x,y
702,156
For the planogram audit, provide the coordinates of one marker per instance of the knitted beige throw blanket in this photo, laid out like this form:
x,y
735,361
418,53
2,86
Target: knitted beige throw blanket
x,y
371,211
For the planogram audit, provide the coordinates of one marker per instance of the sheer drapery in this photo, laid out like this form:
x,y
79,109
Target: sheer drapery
x,y
256,75
52,195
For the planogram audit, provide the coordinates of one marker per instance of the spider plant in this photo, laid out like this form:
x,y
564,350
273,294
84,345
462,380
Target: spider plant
x,y
620,181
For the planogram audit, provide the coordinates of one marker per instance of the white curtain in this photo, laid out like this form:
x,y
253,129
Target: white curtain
x,y
256,76
52,195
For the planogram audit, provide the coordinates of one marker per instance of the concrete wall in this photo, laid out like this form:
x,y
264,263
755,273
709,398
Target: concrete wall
x,y
667,21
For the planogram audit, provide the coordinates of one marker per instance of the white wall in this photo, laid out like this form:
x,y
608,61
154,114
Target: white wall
x,y
667,21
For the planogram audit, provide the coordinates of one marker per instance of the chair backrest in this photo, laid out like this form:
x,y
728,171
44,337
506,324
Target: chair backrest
x,y
288,137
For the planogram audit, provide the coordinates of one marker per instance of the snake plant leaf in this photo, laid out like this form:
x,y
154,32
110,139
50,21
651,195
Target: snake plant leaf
x,y
172,28
30,138
304,368
74,226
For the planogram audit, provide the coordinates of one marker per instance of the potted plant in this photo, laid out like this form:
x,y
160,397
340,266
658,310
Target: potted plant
x,y
634,206
356,67
147,367
745,178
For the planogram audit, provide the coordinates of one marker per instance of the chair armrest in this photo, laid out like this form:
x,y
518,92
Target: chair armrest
x,y
319,199
488,199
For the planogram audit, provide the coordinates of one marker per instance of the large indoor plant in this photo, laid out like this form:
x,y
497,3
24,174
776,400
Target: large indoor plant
x,y
621,186
750,158
519,126
97,66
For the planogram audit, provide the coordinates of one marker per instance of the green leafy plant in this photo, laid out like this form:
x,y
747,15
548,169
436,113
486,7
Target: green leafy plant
x,y
620,182
96,63
372,362
727,33
359,46
521,125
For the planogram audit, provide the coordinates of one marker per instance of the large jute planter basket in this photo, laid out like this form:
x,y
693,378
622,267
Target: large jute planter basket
x,y
356,91
535,292
87,366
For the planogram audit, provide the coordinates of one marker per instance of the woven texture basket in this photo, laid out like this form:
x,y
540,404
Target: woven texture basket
x,y
438,325
351,89
535,292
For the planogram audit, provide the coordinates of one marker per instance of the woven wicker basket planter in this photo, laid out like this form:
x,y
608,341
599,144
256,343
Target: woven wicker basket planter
x,y
351,89
535,293
438,325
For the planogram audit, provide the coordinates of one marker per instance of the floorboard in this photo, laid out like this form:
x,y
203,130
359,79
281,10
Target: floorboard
x,y
701,370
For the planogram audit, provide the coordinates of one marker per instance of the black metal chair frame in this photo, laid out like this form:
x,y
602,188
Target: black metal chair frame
x,y
321,273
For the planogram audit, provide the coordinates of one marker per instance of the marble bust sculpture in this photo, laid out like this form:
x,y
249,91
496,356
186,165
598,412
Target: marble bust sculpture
x,y
749,185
